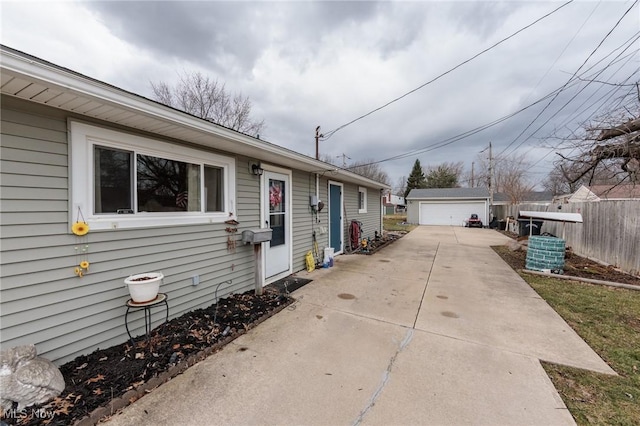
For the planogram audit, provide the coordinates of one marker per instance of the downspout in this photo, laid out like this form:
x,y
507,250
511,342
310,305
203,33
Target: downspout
x,y
381,207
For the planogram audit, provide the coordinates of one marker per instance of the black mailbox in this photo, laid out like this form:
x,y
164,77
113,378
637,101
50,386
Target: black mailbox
x,y
256,236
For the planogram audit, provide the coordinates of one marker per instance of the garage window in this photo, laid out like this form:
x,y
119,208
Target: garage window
x,y
125,181
362,200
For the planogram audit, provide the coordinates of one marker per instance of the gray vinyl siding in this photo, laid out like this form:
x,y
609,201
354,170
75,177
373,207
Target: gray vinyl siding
x,y
322,226
42,301
303,186
371,220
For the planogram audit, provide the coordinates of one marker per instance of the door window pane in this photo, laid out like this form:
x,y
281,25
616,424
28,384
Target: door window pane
x,y
277,210
214,189
276,223
112,180
276,196
167,185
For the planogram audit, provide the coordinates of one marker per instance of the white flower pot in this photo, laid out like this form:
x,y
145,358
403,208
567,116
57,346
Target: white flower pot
x,y
144,287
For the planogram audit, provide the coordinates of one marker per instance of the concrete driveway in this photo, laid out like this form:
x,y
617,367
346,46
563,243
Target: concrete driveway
x,y
434,329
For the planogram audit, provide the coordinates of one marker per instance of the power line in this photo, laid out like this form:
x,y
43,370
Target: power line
x,y
624,60
464,135
563,51
327,135
468,133
607,95
574,80
565,85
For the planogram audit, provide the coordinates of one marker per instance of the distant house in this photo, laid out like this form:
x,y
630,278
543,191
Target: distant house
x,y
596,193
393,204
447,206
156,187
530,197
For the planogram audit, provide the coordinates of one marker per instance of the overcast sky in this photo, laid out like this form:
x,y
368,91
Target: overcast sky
x,y
305,64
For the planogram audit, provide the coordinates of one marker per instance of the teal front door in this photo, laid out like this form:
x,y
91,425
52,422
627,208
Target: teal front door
x,y
336,227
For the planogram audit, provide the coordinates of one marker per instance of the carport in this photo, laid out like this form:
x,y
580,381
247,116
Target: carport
x,y
447,206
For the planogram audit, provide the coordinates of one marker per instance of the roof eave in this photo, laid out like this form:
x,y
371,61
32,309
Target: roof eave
x,y
199,131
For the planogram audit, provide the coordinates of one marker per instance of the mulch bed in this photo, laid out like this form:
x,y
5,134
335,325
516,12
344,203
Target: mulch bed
x,y
575,266
107,380
375,245
99,384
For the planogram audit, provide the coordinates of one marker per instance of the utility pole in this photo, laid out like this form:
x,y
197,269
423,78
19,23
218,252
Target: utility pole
x,y
344,159
318,136
472,182
490,182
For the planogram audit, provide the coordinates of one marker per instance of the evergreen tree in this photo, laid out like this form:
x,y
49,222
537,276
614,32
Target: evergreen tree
x,y
416,179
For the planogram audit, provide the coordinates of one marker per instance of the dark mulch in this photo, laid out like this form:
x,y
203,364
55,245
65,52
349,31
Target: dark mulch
x,y
575,266
374,245
106,375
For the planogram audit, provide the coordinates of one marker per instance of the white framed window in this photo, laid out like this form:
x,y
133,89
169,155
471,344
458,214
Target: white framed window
x,y
362,199
119,180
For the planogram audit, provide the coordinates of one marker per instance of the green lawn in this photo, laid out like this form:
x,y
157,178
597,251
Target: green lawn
x,y
394,223
608,319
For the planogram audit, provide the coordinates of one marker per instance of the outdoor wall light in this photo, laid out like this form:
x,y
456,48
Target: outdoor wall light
x,y
256,169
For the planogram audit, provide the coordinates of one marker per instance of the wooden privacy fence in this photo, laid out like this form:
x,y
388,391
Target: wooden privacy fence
x,y
610,232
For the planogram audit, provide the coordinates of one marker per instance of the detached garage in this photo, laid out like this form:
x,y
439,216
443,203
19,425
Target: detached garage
x,y
447,206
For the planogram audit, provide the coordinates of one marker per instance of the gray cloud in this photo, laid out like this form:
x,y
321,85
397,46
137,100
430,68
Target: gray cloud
x,y
223,35
325,63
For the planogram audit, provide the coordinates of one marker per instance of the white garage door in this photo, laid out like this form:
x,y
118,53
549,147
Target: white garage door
x,y
451,213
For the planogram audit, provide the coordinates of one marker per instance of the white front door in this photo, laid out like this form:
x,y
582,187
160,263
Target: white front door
x,y
277,213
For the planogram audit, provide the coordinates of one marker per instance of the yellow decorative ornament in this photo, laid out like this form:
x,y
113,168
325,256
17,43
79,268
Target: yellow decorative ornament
x,y
80,228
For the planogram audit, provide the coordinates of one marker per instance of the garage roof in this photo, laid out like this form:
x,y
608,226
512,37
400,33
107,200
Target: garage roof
x,y
448,194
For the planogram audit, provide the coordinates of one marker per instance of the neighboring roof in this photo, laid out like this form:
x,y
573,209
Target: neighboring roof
x,y
527,197
616,192
449,193
583,194
33,79
602,192
552,216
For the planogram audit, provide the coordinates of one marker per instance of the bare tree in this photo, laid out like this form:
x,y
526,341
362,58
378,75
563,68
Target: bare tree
x,y
368,168
329,159
608,145
558,181
401,186
510,176
206,98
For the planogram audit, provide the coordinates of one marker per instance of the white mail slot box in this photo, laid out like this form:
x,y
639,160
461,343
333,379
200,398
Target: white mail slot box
x,y
256,236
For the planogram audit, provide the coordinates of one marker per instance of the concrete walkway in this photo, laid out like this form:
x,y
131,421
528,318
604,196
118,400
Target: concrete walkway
x,y
434,329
